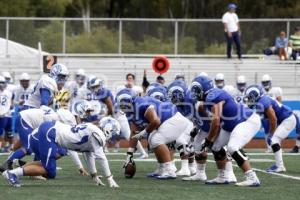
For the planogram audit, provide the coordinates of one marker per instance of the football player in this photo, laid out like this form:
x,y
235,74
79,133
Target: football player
x,y
232,125
274,92
47,86
6,98
157,120
86,138
241,85
280,118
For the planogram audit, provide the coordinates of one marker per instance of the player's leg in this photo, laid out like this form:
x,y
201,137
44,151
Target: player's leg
x,y
220,157
9,135
240,136
200,158
281,132
3,122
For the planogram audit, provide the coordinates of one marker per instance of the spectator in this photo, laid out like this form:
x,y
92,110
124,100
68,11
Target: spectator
x,y
130,83
281,45
232,30
145,83
295,43
160,79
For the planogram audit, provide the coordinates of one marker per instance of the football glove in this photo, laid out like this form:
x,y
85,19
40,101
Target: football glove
x,y
129,159
269,139
206,146
140,135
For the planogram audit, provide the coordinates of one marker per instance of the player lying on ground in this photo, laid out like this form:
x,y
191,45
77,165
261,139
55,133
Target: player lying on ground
x,y
239,125
86,138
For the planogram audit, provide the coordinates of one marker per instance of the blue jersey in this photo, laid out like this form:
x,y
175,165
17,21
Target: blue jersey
x,y
281,111
232,113
104,93
188,110
164,110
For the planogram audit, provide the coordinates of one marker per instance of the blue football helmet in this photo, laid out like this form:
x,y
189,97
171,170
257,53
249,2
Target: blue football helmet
x,y
200,86
158,92
94,84
152,85
177,91
253,94
125,98
59,73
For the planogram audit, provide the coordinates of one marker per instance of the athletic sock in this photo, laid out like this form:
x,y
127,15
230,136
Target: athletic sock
x,y
184,164
201,167
18,171
278,158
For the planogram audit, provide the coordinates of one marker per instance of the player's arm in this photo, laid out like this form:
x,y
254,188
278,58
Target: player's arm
x,y
74,156
215,123
154,123
270,113
46,96
109,104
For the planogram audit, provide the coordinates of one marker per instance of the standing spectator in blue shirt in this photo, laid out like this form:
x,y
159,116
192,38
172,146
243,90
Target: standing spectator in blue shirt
x,y
281,44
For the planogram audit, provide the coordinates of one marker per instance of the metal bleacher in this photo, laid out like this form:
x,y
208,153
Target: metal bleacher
x,y
112,70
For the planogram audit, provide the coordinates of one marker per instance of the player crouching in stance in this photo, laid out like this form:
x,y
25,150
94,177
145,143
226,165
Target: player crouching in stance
x,y
232,124
280,118
86,138
157,120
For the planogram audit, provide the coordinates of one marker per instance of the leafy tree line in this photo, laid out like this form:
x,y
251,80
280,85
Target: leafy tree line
x,y
143,37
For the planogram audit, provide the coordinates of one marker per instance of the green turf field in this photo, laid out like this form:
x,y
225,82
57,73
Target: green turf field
x,y
70,186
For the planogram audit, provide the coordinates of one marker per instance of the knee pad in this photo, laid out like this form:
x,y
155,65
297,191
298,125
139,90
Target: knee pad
x,y
219,155
239,157
201,156
276,147
183,150
194,132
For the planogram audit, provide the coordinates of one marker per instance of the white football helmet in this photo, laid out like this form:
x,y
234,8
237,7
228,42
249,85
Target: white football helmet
x,y
2,83
80,76
82,108
94,83
110,127
266,81
59,73
241,83
24,77
7,77
220,80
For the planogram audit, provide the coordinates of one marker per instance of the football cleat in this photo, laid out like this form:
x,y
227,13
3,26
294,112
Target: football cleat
x,y
11,178
220,179
231,177
294,150
251,181
200,176
276,169
156,173
167,174
184,172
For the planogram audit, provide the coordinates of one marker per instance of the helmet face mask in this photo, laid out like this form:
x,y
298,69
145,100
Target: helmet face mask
x,y
220,83
197,93
176,96
241,86
80,79
266,85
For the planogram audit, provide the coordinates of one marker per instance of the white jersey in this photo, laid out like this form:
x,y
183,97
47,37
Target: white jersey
x,y
5,102
46,82
73,87
239,97
275,92
83,137
11,87
86,94
21,94
137,89
36,116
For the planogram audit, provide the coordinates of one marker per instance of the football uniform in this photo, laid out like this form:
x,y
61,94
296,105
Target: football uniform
x,y
45,85
286,120
21,94
86,138
239,123
275,92
173,124
5,112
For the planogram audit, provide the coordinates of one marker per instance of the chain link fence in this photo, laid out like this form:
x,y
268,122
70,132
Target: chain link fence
x,y
140,36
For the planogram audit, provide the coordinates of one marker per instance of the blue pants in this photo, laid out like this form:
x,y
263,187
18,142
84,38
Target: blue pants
x,y
24,131
34,145
3,124
48,147
236,39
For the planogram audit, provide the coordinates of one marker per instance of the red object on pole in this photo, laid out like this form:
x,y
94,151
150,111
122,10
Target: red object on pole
x,y
160,64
